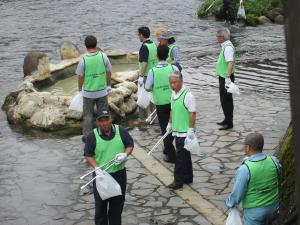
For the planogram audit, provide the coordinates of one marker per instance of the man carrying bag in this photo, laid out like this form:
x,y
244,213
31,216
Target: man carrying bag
x,y
106,142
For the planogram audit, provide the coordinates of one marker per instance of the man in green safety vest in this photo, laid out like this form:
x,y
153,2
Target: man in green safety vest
x,y
225,70
182,125
168,39
158,82
256,184
94,80
106,142
146,61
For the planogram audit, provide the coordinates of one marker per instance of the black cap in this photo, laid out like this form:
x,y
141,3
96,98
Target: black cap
x,y
103,114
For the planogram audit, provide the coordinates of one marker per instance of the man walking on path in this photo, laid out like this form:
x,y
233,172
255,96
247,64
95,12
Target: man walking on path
x,y
256,184
94,80
225,69
182,125
158,82
227,12
106,142
174,54
147,60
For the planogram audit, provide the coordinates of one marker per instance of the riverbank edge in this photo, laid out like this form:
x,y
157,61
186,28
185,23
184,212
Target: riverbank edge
x,y
260,12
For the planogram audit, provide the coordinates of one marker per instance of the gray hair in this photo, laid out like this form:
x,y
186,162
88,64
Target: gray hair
x,y
255,141
176,74
224,32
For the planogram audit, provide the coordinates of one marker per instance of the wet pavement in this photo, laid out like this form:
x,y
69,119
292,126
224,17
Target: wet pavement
x,y
39,177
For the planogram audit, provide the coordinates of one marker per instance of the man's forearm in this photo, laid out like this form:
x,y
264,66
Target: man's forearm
x,y
229,69
108,78
128,150
192,119
91,161
80,82
143,69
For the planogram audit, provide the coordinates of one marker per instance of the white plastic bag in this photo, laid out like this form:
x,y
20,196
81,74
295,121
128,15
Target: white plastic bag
x,y
77,102
234,217
232,88
192,145
107,186
241,12
144,97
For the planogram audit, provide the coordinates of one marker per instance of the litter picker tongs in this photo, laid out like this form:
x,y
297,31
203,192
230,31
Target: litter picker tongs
x,y
158,143
105,167
150,119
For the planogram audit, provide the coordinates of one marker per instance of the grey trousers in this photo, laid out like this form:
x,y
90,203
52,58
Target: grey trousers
x,y
89,111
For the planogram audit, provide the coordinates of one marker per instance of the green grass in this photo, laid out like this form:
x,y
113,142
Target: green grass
x,y
253,8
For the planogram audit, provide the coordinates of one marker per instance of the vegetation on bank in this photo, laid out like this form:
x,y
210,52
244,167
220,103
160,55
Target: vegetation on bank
x,y
253,8
287,177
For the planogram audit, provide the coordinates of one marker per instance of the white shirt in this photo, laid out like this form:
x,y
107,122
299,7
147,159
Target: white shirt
x,y
228,52
189,102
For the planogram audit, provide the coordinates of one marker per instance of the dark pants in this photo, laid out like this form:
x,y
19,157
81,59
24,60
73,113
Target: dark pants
x,y
226,101
163,115
183,172
88,112
227,11
113,215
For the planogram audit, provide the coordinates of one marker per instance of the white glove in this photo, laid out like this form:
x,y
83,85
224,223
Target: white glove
x,y
108,89
227,82
120,157
169,128
141,80
98,171
190,133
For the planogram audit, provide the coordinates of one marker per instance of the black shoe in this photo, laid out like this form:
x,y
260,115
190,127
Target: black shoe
x,y
166,159
175,186
221,123
226,127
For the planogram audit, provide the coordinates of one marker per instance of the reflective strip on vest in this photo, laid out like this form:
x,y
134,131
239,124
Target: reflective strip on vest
x,y
263,184
94,73
180,114
161,87
222,65
106,150
152,58
170,55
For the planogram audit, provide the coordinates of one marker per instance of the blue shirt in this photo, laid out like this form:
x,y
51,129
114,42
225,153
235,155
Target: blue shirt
x,y
150,77
240,189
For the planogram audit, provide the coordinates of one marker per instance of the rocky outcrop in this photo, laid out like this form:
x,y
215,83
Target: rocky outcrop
x,y
36,66
263,20
31,107
68,50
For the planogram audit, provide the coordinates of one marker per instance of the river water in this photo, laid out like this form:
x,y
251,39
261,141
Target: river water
x,y
35,25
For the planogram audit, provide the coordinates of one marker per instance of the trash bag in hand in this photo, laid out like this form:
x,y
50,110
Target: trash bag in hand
x,y
241,12
107,186
192,145
144,97
77,102
234,217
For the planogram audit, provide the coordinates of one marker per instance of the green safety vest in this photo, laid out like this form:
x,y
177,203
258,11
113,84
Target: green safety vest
x,y
94,73
222,65
170,56
106,150
152,58
161,87
263,184
180,114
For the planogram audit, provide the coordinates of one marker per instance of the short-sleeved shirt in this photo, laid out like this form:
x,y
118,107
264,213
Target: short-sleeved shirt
x,y
80,72
90,146
144,52
228,51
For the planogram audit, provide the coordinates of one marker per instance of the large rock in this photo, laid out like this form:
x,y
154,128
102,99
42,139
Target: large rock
x,y
272,14
279,19
36,64
263,20
68,50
